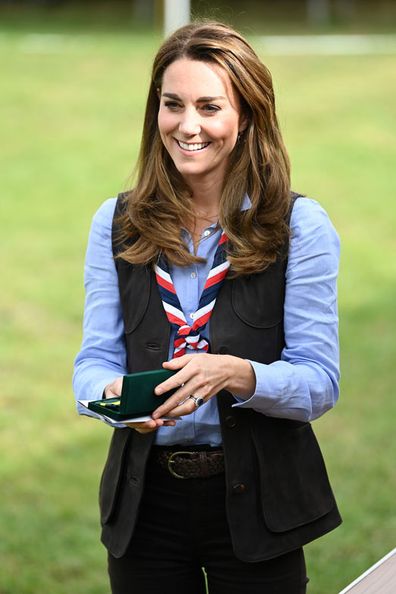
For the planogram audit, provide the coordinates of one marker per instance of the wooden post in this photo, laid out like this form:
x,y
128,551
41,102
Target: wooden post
x,y
176,14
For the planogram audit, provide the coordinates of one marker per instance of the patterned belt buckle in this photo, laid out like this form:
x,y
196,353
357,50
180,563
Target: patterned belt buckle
x,y
171,461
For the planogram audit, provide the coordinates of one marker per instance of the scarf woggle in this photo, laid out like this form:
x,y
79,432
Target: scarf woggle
x,y
189,337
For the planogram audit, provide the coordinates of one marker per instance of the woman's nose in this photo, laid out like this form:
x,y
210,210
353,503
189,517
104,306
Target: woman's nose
x,y
190,123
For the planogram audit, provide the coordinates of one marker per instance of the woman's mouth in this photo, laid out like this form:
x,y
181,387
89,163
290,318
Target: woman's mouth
x,y
192,146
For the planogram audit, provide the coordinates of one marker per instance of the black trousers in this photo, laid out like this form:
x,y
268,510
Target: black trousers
x,y
182,529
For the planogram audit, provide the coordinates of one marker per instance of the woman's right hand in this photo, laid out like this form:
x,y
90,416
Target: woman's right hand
x,y
114,389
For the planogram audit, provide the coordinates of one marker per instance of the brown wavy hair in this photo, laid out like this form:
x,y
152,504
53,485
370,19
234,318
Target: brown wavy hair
x,y
161,203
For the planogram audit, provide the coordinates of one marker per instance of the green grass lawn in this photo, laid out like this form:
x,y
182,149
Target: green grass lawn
x,y
72,108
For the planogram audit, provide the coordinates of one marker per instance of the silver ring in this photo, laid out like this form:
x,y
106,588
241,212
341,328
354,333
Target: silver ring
x,y
198,400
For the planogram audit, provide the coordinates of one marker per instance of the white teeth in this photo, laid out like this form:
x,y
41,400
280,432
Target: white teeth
x,y
192,147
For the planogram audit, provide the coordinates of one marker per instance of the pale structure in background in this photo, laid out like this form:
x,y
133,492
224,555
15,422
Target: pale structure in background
x,y
319,12
176,14
379,579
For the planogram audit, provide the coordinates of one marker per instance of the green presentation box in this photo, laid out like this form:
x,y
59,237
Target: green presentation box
x,y
137,397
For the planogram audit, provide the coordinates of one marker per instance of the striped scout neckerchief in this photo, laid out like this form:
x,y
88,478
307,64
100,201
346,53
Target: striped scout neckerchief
x,y
188,337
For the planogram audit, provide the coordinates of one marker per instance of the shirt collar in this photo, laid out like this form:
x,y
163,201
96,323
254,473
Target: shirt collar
x,y
246,204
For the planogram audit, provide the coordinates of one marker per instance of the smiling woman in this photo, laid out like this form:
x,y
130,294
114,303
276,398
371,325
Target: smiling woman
x,y
220,82
198,130
212,268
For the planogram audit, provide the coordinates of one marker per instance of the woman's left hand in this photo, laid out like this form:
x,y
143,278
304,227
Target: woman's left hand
x,y
203,376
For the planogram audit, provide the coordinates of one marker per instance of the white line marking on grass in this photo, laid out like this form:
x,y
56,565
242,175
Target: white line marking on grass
x,y
37,43
328,44
53,43
46,43
277,45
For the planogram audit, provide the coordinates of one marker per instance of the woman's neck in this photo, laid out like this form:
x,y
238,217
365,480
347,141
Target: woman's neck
x,y
205,194
206,200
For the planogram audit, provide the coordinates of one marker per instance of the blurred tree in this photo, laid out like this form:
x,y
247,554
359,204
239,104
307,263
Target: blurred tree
x,y
345,9
256,15
143,11
318,11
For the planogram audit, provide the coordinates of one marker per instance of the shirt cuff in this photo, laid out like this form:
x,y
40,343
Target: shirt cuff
x,y
262,399
97,393
276,393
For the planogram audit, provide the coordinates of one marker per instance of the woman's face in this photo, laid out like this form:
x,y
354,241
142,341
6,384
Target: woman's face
x,y
199,119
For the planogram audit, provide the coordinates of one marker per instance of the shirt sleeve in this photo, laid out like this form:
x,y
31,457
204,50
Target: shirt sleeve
x,y
304,383
102,356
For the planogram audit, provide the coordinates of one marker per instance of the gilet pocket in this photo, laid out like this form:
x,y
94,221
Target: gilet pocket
x,y
258,299
294,485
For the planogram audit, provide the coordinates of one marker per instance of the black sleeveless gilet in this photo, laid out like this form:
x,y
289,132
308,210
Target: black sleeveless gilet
x,y
278,493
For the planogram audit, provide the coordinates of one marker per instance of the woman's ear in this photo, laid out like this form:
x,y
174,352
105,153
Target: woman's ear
x,y
243,123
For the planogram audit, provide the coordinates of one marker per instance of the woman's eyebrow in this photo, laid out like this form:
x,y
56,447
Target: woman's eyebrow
x,y
199,100
209,99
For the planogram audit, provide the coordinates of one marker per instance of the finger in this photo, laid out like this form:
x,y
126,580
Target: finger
x,y
178,362
114,389
112,393
186,408
144,428
176,381
181,396
177,399
151,424
191,366
175,409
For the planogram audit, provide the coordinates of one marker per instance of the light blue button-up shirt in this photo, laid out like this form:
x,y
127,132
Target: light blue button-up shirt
x,y
302,385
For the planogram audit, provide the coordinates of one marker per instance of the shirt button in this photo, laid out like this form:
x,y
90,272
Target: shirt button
x,y
193,275
239,488
230,421
192,316
206,232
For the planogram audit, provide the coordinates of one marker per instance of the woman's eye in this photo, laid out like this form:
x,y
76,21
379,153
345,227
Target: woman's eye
x,y
210,108
172,104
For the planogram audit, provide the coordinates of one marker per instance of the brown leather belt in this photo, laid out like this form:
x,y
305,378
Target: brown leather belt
x,y
185,464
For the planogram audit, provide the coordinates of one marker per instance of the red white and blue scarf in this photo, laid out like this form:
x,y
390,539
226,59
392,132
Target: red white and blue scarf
x,y
189,337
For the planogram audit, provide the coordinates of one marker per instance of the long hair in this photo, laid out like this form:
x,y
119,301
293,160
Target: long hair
x,y
160,203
